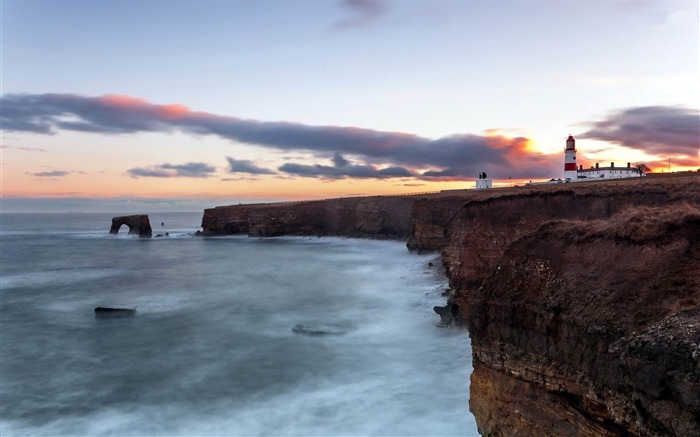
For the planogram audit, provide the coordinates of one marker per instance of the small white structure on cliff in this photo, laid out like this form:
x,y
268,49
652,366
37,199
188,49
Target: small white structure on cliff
x,y
483,183
574,174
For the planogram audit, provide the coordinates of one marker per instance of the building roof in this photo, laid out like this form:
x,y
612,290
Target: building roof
x,y
632,169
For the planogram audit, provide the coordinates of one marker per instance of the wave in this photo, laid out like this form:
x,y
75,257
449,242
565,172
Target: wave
x,y
54,277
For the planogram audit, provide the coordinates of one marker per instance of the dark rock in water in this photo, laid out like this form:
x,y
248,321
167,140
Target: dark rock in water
x,y
159,235
445,314
316,330
105,312
137,224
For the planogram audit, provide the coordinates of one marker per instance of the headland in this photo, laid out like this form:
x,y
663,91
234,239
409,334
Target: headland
x,y
582,300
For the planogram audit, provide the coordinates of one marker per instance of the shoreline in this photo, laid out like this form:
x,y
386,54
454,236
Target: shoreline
x,y
477,232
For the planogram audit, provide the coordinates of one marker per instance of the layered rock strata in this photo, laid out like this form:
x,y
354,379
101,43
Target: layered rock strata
x,y
582,307
592,328
376,217
481,230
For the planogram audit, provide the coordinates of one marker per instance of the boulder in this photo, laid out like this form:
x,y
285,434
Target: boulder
x,y
445,313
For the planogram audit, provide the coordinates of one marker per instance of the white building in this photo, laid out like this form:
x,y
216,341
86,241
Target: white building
x,y
574,174
483,182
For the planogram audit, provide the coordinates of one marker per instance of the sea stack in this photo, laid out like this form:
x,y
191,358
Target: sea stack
x,y
138,225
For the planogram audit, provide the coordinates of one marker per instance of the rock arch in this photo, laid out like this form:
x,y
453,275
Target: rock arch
x,y
137,224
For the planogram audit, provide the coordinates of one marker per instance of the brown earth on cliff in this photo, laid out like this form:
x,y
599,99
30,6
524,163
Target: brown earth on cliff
x,y
482,229
611,350
592,328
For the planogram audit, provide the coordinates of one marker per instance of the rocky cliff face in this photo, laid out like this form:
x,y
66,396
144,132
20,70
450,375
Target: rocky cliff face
x,y
592,328
429,217
478,234
581,299
376,217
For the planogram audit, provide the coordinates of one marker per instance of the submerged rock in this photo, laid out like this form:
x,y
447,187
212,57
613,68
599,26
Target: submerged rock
x,y
107,312
321,329
445,314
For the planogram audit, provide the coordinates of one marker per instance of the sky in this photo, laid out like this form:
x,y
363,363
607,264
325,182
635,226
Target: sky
x,y
141,106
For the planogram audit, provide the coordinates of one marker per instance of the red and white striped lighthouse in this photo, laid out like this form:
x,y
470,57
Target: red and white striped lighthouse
x,y
570,173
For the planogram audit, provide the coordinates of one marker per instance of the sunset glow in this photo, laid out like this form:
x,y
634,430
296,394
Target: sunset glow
x,y
321,110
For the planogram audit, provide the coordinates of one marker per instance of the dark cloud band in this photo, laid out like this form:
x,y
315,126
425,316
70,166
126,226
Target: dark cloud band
x,y
246,166
51,174
654,129
462,156
188,170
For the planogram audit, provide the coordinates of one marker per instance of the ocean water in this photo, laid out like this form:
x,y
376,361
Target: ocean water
x,y
212,348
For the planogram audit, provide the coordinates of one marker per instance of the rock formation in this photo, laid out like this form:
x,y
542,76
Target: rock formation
x,y
375,217
592,328
582,300
480,232
108,312
137,224
315,330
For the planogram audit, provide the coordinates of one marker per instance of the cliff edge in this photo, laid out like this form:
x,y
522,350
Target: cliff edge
x,y
592,328
581,299
369,217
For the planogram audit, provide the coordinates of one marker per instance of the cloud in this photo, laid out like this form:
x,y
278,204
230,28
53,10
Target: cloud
x,y
76,201
365,171
240,179
363,12
150,172
26,149
458,157
662,165
51,174
188,170
339,161
342,168
245,166
191,169
658,130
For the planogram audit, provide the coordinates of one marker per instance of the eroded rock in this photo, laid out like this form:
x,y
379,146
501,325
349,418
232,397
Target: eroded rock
x,y
590,328
137,224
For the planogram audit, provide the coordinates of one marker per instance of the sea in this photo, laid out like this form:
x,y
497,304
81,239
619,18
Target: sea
x,y
232,336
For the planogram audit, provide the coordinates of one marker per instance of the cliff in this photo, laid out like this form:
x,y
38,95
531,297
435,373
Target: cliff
x,y
592,328
375,217
581,299
482,229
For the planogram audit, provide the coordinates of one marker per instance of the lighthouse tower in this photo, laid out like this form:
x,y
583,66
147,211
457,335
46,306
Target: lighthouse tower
x,y
570,174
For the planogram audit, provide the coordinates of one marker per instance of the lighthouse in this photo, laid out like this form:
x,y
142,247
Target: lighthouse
x,y
570,174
